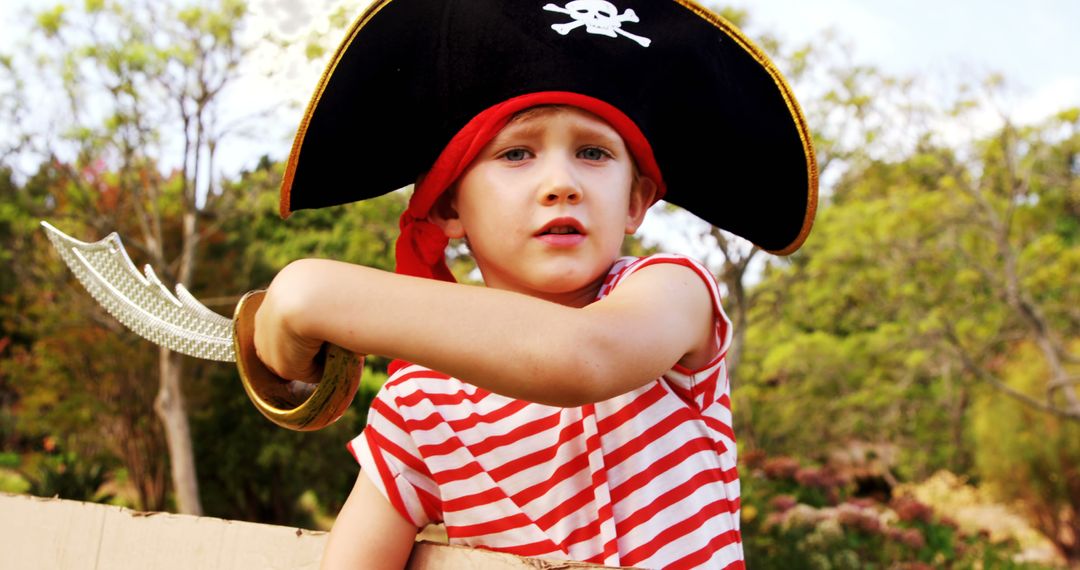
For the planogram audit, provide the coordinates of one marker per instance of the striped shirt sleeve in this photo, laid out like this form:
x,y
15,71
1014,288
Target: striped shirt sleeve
x,y
388,455
707,384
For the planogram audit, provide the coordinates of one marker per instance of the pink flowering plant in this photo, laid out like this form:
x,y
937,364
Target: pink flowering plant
x,y
822,516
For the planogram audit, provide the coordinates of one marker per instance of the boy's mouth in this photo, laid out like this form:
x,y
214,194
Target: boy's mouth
x,y
562,232
562,226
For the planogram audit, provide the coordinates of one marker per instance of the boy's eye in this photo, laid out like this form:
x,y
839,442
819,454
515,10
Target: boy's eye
x,y
593,153
516,154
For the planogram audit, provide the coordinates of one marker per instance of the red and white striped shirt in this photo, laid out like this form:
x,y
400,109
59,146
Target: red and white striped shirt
x,y
645,479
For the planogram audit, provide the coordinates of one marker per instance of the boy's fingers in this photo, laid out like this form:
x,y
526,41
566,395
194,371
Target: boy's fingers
x,y
312,373
292,359
308,372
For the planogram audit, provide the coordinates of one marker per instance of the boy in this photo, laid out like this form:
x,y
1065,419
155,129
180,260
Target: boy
x,y
577,406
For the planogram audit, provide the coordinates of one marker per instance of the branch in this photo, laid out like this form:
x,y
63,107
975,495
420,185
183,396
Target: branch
x,y
1011,288
981,373
1064,382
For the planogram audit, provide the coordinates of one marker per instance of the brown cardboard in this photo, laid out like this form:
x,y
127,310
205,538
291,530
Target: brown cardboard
x,y
48,534
54,533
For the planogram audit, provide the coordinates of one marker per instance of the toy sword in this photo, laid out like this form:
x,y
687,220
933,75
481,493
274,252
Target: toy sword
x,y
142,303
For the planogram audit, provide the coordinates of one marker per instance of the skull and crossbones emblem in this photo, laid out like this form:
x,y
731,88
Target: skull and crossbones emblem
x,y
598,17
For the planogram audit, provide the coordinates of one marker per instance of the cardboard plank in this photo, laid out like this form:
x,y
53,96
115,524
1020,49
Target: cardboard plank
x,y
49,533
54,533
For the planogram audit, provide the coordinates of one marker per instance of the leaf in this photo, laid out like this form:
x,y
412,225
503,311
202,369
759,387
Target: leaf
x,y
51,21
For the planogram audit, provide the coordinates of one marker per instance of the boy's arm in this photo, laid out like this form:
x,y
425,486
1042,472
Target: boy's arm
x,y
505,342
368,532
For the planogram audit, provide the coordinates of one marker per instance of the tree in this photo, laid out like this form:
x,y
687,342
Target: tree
x,y
1026,456
929,271
855,112
141,80
1021,238
13,107
77,379
255,470
111,177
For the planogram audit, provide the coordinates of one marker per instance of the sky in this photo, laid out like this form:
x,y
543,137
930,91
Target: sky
x,y
1024,40
1033,44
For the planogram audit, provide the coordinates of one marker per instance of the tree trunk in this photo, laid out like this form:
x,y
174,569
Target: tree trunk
x,y
961,459
733,279
732,276
169,406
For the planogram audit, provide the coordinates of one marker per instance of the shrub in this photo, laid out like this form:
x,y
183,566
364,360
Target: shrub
x,y
808,516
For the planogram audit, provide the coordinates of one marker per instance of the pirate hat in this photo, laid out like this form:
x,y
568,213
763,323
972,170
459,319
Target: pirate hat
x,y
728,136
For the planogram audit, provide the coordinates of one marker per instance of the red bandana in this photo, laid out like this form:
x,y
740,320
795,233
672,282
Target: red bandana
x,y
421,247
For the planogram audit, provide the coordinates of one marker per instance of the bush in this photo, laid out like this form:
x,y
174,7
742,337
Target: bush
x,y
12,482
808,516
63,475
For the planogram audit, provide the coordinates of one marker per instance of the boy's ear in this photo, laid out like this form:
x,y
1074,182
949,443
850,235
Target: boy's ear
x,y
444,214
642,196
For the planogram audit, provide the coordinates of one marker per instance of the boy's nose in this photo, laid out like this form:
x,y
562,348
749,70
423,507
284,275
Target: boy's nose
x,y
561,194
559,186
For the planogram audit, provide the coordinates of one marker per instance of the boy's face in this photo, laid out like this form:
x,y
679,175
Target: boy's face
x,y
546,203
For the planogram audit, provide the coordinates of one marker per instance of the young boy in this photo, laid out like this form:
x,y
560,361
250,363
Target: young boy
x,y
577,407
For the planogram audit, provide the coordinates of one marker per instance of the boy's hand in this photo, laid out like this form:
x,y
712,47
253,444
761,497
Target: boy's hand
x,y
279,324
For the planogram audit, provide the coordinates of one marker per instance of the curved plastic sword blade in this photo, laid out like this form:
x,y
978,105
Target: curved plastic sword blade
x,y
143,304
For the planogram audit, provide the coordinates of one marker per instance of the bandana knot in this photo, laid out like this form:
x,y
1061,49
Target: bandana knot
x,y
421,249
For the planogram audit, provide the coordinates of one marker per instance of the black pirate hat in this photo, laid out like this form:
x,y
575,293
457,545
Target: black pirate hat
x,y
727,134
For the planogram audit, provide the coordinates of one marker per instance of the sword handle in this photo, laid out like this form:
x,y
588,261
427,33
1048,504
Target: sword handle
x,y
290,404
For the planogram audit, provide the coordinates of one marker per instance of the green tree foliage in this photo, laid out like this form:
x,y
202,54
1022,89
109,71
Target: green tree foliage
x,y
78,376
66,475
923,275
930,262
842,325
89,384
1029,457
69,372
252,469
142,83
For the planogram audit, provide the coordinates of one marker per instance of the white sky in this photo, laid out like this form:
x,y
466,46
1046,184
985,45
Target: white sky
x,y
1033,44
1028,41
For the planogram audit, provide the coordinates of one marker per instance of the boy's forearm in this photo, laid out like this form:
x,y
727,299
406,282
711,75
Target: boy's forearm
x,y
505,342
483,336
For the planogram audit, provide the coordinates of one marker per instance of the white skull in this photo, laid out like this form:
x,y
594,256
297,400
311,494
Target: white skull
x,y
599,17
593,12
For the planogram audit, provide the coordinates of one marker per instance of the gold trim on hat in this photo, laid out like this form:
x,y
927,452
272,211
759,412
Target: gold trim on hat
x,y
294,155
792,105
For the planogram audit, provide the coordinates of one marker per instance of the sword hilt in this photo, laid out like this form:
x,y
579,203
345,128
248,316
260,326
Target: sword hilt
x,y
279,399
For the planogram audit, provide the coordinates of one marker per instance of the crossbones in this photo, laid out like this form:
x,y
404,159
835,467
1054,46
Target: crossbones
x,y
598,17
